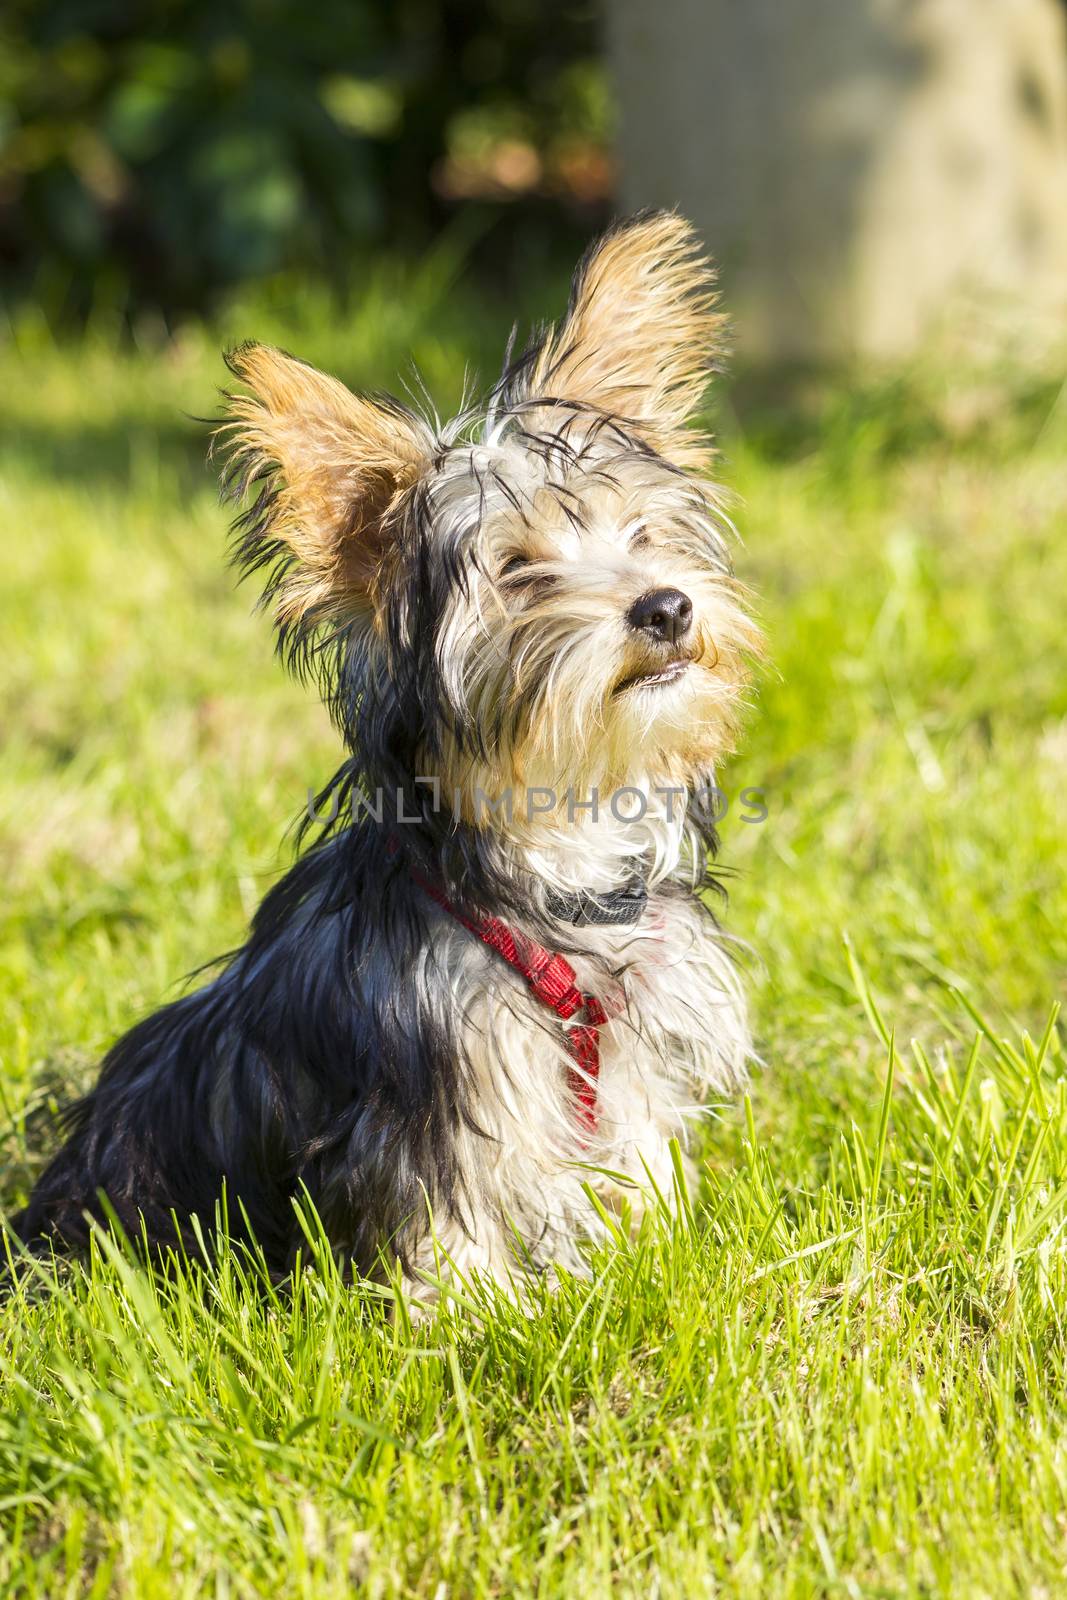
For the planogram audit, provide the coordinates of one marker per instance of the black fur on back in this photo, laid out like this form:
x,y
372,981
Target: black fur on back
x,y
303,1063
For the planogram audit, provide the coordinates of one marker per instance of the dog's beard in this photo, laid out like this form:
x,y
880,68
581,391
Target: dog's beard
x,y
563,697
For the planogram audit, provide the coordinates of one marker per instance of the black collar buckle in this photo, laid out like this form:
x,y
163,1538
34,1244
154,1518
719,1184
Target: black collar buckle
x,y
620,908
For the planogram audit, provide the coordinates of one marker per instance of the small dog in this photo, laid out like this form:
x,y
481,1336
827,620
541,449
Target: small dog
x,y
491,977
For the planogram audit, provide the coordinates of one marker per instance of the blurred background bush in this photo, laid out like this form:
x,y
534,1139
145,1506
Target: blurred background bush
x,y
858,167
154,153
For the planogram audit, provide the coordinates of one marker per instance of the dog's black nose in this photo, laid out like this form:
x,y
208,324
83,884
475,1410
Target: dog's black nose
x,y
665,614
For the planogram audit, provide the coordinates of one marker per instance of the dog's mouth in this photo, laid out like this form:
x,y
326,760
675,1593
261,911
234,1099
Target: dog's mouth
x,y
669,672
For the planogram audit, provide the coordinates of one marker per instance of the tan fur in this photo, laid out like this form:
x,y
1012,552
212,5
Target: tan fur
x,y
641,335
556,650
341,462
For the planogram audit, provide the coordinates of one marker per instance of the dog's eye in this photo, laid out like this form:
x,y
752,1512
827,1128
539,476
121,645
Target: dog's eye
x,y
522,578
640,540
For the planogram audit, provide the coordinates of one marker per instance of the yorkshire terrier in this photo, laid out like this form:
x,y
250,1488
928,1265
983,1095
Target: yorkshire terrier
x,y
492,978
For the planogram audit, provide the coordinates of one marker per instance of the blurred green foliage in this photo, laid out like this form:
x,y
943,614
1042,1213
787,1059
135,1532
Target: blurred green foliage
x,y
153,154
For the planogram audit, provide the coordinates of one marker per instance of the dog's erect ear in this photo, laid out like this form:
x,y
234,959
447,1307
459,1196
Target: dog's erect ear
x,y
640,336
329,466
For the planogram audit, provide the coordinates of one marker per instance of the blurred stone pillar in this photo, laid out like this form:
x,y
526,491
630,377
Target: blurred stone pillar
x,y
862,169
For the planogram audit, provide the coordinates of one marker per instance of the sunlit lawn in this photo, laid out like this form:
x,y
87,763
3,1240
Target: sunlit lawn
x,y
845,1371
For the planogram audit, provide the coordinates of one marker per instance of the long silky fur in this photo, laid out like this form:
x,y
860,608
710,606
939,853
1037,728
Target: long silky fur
x,y
462,592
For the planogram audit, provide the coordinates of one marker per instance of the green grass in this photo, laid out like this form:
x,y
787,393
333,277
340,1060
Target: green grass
x,y
843,1371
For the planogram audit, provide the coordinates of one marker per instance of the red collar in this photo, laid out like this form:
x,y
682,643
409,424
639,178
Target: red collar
x,y
553,981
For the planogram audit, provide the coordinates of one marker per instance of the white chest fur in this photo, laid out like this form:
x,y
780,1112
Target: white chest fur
x,y
677,1037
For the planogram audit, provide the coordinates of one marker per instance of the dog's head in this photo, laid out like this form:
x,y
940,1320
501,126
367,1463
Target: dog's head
x,y
538,593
